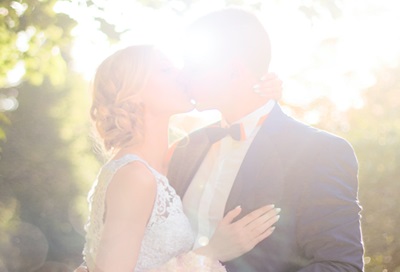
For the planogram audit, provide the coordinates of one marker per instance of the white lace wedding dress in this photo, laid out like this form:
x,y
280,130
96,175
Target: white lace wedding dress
x,y
168,233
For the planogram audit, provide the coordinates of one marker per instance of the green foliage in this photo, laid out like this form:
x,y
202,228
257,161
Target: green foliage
x,y
312,9
374,132
33,42
45,165
32,34
316,9
4,120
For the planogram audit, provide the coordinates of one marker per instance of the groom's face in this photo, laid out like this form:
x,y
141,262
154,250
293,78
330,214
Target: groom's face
x,y
208,81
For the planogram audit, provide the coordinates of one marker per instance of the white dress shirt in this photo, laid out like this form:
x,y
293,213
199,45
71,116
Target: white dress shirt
x,y
205,199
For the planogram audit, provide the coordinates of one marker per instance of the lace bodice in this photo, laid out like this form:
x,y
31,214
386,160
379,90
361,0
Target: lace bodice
x,y
168,232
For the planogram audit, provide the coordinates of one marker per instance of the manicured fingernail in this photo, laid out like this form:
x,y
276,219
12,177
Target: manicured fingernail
x,y
238,207
277,210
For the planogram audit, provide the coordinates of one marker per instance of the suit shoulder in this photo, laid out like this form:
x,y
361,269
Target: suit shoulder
x,y
318,136
307,143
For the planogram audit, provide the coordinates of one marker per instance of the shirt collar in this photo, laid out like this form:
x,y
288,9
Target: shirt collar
x,y
252,121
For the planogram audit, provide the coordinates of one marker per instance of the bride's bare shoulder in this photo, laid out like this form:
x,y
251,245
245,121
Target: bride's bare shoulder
x,y
133,181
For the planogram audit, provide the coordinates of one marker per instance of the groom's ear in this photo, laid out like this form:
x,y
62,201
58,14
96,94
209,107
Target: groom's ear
x,y
236,69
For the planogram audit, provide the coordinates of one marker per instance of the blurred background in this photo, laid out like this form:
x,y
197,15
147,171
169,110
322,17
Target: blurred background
x,y
339,61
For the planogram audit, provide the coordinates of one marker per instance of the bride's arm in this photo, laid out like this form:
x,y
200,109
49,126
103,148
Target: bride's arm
x,y
229,241
129,202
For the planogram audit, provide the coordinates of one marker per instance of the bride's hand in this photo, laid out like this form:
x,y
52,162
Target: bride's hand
x,y
270,86
232,240
81,269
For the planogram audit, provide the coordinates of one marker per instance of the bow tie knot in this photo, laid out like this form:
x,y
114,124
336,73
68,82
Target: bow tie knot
x,y
216,133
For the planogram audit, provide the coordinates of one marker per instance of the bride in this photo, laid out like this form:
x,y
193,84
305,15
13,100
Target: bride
x,y
136,220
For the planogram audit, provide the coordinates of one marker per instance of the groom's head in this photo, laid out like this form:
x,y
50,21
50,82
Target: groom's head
x,y
226,52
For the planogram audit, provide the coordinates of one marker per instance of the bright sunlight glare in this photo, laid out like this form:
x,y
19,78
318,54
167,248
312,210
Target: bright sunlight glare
x,y
200,48
317,57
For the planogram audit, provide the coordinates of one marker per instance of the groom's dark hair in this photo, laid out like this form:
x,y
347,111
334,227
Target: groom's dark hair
x,y
236,33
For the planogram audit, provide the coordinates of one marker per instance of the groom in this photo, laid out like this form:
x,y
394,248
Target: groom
x,y
308,173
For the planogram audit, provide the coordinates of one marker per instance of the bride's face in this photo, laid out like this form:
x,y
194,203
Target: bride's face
x,y
164,91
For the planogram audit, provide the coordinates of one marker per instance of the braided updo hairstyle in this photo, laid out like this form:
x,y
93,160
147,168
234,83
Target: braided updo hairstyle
x,y
117,109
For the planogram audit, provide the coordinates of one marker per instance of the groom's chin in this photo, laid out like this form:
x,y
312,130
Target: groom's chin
x,y
200,107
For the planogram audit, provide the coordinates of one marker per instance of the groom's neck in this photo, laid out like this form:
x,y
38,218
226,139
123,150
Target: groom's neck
x,y
236,111
241,99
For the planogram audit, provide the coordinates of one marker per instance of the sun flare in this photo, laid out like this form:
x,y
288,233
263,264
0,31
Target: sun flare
x,y
324,58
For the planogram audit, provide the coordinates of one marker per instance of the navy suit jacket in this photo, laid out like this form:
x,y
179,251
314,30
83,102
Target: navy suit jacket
x,y
308,173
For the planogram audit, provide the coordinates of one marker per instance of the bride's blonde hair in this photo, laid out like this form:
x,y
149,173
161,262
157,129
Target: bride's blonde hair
x,y
117,110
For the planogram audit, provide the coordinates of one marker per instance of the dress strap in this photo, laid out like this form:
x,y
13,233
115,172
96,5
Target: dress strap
x,y
128,158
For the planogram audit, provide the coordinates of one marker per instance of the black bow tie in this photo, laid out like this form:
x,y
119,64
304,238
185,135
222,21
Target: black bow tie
x,y
216,133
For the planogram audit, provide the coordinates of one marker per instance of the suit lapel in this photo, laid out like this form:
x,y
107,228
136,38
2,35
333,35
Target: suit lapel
x,y
260,177
186,159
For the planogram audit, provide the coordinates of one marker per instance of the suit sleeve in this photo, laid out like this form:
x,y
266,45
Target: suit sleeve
x,y
329,229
